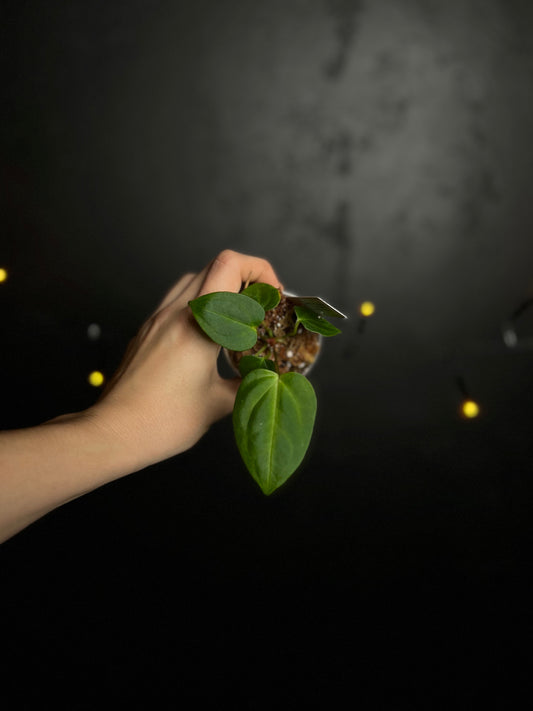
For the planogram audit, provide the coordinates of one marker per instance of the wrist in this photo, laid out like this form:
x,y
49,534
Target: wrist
x,y
108,441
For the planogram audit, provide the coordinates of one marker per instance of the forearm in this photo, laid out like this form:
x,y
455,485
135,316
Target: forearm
x,y
165,395
43,467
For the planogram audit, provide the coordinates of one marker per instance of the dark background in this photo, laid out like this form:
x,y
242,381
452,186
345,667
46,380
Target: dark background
x,y
371,150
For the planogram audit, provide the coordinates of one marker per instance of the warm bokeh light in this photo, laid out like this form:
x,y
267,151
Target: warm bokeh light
x,y
367,308
3,275
96,378
470,409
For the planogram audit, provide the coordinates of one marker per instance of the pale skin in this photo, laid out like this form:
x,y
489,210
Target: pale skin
x,y
164,397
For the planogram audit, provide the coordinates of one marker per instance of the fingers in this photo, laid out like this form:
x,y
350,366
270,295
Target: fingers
x,y
230,270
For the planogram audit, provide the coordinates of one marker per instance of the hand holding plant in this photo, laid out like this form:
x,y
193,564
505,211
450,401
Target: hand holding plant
x,y
275,407
162,399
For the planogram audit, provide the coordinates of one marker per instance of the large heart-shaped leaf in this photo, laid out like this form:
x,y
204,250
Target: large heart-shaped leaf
x,y
228,319
273,422
268,296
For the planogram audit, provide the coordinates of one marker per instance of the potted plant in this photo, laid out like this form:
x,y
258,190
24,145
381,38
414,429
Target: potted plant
x,y
272,339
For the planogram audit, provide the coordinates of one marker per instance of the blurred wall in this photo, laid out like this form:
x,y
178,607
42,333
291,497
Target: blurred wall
x,y
371,150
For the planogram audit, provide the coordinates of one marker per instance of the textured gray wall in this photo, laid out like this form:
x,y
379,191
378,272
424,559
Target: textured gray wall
x,y
374,149
371,150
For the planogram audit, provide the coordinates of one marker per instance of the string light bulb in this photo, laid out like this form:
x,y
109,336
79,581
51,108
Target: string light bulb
x,y
367,308
3,275
96,379
470,409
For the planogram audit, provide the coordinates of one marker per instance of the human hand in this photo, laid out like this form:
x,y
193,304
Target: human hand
x,y
167,391
163,398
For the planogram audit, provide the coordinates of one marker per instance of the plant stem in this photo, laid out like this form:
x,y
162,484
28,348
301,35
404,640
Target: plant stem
x,y
295,328
275,359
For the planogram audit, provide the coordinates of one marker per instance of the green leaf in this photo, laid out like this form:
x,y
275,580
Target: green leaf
x,y
250,362
273,422
228,319
313,322
265,294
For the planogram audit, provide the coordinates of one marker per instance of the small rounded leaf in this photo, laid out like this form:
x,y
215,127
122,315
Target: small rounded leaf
x,y
250,362
313,322
265,294
229,319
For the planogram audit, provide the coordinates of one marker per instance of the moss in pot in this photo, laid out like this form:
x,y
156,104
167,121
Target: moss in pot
x,y
272,342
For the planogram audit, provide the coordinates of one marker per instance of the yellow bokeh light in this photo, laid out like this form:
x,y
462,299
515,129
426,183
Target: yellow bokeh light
x,y
367,308
96,378
3,275
470,409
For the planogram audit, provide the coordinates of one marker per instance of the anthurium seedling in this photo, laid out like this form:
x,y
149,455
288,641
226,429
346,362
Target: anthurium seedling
x,y
272,341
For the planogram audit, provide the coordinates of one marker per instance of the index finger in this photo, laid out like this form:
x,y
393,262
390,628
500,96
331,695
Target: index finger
x,y
230,270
